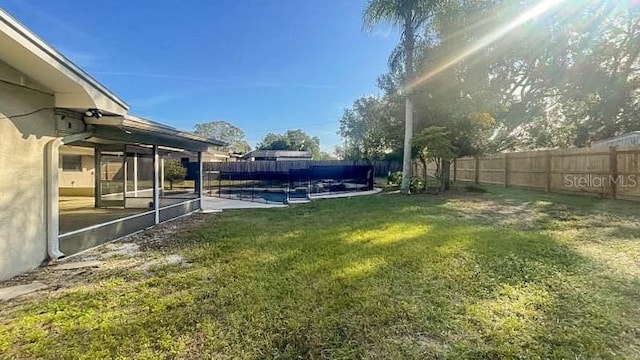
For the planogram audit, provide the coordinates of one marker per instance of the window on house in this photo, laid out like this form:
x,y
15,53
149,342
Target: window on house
x,y
72,162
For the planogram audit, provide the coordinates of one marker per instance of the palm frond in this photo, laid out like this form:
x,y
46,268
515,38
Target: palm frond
x,y
396,59
380,11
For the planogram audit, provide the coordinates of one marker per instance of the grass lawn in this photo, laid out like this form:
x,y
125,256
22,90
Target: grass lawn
x,y
184,184
502,274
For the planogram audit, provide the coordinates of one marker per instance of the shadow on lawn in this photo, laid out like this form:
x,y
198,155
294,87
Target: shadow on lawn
x,y
579,204
406,279
467,290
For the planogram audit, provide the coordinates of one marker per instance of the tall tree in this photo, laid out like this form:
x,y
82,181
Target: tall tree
x,y
274,141
295,140
411,16
568,76
226,132
371,128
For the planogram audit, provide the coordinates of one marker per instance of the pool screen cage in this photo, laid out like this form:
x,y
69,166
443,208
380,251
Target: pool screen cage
x,y
285,181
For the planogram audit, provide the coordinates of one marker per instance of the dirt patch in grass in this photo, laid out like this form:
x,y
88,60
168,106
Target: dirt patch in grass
x,y
135,253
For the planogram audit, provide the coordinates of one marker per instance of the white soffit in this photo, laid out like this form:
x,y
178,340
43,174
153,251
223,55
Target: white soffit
x,y
72,87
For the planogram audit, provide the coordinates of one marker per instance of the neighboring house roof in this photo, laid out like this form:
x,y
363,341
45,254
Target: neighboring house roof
x,y
277,154
73,88
212,154
630,138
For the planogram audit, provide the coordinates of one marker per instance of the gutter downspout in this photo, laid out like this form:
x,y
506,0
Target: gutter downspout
x,y
53,193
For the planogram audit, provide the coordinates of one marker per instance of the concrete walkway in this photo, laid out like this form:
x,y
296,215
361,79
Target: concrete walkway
x,y
345,194
13,292
214,203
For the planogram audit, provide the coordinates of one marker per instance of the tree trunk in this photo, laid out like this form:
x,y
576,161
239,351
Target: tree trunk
x,y
424,173
409,45
446,170
170,184
406,159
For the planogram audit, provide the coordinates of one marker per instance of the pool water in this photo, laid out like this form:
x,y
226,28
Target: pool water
x,y
279,197
276,197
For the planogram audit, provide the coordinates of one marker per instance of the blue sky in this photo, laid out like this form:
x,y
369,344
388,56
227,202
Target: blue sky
x,y
261,65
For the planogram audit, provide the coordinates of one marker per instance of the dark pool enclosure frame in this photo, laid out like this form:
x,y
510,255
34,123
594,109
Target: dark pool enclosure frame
x,y
285,181
120,133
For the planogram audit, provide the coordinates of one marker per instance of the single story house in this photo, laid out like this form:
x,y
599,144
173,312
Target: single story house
x,y
277,155
61,129
628,139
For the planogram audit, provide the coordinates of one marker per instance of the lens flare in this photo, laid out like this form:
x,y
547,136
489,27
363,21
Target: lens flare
x,y
539,9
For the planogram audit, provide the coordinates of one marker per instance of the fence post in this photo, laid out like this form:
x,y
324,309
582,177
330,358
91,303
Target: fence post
x,y
613,170
507,170
220,184
547,171
477,170
308,184
288,188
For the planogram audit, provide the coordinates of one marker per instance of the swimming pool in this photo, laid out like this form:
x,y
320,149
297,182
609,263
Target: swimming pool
x,y
266,196
271,193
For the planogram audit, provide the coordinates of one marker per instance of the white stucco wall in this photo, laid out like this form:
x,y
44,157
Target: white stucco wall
x,y
76,182
83,178
22,186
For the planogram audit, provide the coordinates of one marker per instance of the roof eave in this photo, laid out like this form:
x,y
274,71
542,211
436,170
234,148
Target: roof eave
x,y
28,44
133,123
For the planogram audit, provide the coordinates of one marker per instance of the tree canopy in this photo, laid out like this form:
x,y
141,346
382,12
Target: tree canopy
x,y
226,132
373,127
295,140
497,79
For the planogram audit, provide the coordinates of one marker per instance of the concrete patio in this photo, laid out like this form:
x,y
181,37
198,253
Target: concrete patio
x,y
214,203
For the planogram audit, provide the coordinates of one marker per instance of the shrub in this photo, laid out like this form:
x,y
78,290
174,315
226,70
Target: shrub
x,y
174,171
416,184
395,178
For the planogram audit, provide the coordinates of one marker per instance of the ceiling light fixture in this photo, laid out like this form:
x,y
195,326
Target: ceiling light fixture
x,y
93,113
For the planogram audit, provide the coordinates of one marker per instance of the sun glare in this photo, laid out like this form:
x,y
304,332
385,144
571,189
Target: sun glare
x,y
541,8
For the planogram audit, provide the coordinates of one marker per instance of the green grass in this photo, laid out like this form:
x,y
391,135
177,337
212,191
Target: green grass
x,y
501,274
190,184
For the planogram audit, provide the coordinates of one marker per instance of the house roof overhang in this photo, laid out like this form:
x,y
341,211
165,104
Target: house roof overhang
x,y
73,88
134,130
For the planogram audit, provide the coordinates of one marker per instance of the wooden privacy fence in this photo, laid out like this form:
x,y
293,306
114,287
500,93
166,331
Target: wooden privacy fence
x,y
612,172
